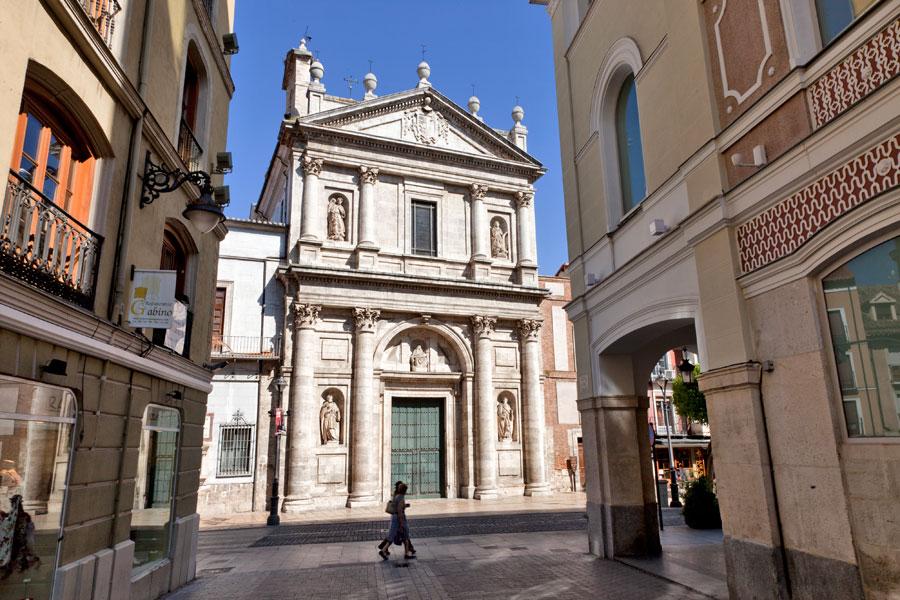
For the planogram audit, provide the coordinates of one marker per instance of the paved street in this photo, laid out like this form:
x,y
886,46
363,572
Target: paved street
x,y
498,556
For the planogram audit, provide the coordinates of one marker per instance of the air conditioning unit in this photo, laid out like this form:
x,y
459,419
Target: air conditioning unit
x,y
669,374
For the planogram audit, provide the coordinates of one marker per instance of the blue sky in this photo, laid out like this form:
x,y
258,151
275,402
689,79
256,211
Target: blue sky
x,y
503,47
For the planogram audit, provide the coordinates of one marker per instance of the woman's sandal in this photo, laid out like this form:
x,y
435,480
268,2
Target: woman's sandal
x,y
384,555
410,556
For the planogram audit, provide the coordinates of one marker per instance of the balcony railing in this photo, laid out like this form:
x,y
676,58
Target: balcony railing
x,y
42,244
246,346
188,147
102,14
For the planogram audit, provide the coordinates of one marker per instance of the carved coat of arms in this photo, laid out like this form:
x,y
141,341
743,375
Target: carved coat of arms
x,y
425,127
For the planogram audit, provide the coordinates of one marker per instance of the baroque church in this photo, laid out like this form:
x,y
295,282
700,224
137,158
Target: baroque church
x,y
410,327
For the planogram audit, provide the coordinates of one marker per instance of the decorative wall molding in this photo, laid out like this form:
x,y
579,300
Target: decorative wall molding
x,y
785,227
728,92
869,67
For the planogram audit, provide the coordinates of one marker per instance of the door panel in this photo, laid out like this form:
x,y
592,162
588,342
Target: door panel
x,y
417,446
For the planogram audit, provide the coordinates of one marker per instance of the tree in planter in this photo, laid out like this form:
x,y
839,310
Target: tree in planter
x,y
701,507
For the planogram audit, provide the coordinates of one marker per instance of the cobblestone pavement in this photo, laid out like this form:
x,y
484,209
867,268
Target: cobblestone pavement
x,y
231,564
363,531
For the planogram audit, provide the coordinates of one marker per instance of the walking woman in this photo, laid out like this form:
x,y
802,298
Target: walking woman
x,y
399,531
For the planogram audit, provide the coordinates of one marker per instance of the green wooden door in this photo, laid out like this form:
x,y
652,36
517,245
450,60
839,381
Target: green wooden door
x,y
417,446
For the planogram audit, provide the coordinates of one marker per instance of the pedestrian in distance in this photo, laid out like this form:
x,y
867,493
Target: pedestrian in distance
x,y
399,530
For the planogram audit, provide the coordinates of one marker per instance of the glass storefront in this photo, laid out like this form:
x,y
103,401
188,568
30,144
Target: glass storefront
x,y
151,517
861,299
36,439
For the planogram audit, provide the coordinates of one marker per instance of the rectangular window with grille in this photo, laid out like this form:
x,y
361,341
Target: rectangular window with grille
x,y
235,451
424,228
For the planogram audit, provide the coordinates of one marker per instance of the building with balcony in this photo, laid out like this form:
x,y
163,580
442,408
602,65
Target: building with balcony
x,y
731,173
101,422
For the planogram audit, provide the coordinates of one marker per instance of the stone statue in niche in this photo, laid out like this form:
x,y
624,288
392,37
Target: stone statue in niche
x,y
329,421
504,421
418,360
337,215
499,241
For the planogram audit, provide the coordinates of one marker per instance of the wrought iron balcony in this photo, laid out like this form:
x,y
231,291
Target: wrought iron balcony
x,y
246,346
42,244
102,14
188,147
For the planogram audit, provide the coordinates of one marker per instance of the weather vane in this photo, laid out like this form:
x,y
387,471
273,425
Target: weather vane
x,y
306,35
423,51
473,88
371,62
351,81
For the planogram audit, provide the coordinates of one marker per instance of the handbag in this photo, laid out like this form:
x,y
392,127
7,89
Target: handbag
x,y
391,508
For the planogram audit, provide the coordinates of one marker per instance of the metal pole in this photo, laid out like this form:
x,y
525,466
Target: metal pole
x,y
673,481
274,519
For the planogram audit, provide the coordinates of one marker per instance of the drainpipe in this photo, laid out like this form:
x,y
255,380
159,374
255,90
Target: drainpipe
x,y
117,290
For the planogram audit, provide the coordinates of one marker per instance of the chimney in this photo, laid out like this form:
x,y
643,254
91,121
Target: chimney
x,y
296,80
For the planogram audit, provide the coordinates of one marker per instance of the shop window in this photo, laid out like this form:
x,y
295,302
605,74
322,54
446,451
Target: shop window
x,y
865,346
424,228
151,517
235,448
49,156
36,427
836,15
631,153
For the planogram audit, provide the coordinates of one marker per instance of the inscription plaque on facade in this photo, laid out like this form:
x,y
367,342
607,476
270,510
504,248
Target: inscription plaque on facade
x,y
331,468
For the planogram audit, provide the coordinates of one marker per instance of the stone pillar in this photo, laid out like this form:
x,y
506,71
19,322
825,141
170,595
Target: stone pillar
x,y
524,216
364,437
527,265
310,228
481,260
303,416
368,177
752,544
536,483
485,413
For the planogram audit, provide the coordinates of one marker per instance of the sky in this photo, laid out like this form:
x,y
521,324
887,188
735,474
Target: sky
x,y
502,47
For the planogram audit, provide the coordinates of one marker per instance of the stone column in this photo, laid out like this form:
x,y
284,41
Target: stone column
x,y
368,177
524,216
485,413
536,483
310,229
303,417
364,437
479,222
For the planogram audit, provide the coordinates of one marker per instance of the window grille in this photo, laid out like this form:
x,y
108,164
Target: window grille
x,y
235,449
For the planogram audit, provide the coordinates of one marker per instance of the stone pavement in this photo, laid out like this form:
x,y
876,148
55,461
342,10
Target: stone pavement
x,y
467,556
497,566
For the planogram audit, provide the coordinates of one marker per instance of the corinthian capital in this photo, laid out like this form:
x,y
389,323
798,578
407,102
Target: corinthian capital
x,y
483,326
524,199
311,166
365,318
368,175
305,315
478,191
529,329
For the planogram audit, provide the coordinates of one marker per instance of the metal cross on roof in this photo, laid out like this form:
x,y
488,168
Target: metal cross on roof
x,y
351,81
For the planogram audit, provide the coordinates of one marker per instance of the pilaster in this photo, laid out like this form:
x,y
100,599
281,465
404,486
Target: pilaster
x,y
486,441
364,435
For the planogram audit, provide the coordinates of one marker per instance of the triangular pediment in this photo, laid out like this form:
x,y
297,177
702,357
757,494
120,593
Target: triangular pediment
x,y
422,117
882,298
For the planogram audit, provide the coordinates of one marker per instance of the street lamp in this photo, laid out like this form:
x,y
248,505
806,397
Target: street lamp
x,y
686,368
205,213
673,481
278,414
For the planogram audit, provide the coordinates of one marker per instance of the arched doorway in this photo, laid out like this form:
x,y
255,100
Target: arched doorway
x,y
425,373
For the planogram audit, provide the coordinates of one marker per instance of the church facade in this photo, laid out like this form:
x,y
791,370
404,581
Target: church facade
x,y
411,345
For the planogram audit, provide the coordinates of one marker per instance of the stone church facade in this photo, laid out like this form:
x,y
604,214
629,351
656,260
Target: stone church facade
x,y
411,342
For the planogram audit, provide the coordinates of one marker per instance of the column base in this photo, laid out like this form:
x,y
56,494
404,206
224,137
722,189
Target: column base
x,y
490,494
360,501
538,489
308,251
297,504
366,257
480,267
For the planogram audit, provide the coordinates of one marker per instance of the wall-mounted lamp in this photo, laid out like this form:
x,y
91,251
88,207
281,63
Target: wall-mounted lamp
x,y
759,158
658,227
55,367
204,213
230,44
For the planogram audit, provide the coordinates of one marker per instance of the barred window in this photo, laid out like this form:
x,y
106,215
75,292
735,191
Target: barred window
x,y
235,450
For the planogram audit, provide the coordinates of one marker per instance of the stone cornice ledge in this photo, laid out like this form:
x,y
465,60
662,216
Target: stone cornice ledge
x,y
613,403
732,377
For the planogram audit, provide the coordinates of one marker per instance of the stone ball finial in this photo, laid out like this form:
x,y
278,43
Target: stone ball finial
x,y
474,105
424,72
317,70
518,113
370,82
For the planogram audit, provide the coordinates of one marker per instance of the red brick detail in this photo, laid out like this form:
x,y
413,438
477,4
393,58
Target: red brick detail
x,y
785,227
869,67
